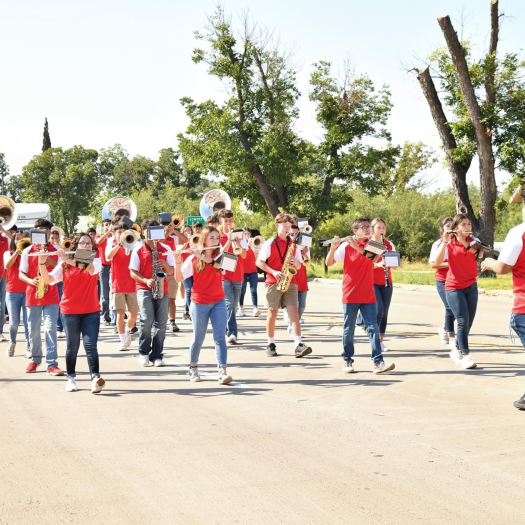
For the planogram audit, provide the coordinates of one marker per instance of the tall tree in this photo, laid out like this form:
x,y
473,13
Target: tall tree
x,y
4,173
47,139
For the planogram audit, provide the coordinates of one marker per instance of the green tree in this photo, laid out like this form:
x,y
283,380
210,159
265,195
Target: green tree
x,y
47,139
67,180
4,173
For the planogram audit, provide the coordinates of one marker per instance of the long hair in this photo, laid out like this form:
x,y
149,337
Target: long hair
x,y
458,218
13,241
74,245
443,222
200,265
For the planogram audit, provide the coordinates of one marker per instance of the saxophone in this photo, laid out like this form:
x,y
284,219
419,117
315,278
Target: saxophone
x,y
41,289
287,270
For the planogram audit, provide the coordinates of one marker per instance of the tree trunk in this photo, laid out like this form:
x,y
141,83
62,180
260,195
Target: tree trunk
x,y
265,191
487,211
457,171
66,228
494,34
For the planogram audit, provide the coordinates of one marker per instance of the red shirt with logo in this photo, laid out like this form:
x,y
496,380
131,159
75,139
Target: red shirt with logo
x,y
462,266
207,284
358,275
142,261
14,284
274,252
29,266
379,273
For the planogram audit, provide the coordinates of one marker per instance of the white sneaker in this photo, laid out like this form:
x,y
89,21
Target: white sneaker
x,y
289,329
444,336
232,339
467,362
301,321
97,385
28,354
127,341
194,374
455,355
61,335
241,312
384,348
286,319
10,350
383,367
256,312
144,360
71,385
452,342
122,346
159,362
2,338
348,367
224,378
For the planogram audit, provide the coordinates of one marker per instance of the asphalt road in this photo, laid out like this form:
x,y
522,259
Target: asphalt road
x,y
289,441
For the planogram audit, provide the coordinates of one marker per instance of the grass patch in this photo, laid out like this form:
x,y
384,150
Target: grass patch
x,y
412,273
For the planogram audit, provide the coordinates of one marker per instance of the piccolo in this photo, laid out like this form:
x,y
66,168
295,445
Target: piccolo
x,y
343,239
195,249
36,254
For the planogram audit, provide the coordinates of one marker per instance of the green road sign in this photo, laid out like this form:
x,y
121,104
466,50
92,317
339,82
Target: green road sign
x,y
192,220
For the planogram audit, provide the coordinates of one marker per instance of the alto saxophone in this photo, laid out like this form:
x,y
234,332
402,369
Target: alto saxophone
x,y
41,289
287,270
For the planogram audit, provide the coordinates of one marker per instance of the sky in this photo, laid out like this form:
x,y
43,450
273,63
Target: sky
x,y
113,71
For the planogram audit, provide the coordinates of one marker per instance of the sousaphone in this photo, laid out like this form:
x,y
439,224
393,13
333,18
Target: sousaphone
x,y
120,205
8,212
213,201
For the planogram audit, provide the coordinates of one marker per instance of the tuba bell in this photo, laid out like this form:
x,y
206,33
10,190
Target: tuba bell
x,y
213,201
8,212
119,206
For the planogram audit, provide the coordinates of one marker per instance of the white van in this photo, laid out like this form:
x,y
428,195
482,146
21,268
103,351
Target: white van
x,y
28,213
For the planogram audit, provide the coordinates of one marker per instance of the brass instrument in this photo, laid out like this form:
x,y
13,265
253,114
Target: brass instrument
x,y
66,244
195,239
41,289
288,271
306,229
119,206
236,237
136,227
158,275
213,201
22,244
255,243
8,213
177,221
129,239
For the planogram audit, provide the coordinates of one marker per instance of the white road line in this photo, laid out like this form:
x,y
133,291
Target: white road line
x,y
234,384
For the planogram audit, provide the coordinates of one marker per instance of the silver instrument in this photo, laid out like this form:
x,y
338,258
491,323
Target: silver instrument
x,y
8,212
214,201
119,206
343,239
158,277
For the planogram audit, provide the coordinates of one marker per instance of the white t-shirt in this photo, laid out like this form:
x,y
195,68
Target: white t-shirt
x,y
187,267
434,250
512,246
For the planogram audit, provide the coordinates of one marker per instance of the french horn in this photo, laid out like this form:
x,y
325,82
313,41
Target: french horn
x,y
119,206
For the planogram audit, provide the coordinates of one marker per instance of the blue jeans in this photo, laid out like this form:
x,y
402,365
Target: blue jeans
x,y
368,311
449,316
233,294
200,315
16,301
517,321
383,300
253,279
153,319
463,304
188,285
88,325
60,325
34,320
3,283
104,303
302,303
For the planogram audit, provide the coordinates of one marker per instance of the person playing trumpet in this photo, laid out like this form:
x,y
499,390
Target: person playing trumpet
x,y
358,293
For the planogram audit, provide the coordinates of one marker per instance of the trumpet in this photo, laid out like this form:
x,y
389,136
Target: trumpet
x,y
22,244
66,244
306,229
129,239
255,243
195,239
177,221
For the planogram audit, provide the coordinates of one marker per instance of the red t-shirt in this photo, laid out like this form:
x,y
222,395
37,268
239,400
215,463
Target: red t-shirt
x,y
51,296
80,294
302,279
4,247
14,284
249,262
238,274
146,264
102,250
275,260
462,266
379,273
121,280
358,275
207,285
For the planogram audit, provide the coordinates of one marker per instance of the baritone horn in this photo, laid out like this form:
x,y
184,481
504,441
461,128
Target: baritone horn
x,y
8,212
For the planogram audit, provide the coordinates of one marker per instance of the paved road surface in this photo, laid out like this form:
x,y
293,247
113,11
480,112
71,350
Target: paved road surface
x,y
290,441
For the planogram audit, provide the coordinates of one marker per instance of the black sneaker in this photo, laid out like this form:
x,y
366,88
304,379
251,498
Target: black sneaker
x,y
520,403
186,316
134,330
174,327
301,350
271,350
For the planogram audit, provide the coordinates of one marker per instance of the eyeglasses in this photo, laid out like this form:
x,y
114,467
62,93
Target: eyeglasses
x,y
365,227
85,243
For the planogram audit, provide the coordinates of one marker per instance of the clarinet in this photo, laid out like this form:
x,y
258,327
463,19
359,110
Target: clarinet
x,y
156,287
387,282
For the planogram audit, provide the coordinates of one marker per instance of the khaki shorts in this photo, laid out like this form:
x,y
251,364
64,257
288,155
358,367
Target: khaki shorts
x,y
276,299
121,300
173,286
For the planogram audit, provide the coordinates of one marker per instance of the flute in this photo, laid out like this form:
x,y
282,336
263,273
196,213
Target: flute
x,y
337,239
195,249
36,254
458,231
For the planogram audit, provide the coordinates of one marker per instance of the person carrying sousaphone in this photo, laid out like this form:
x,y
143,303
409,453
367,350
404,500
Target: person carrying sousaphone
x,y
272,259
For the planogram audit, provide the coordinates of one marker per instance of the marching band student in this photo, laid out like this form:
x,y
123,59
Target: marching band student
x,y
207,302
15,295
197,228
358,294
153,311
512,259
188,282
213,220
271,260
54,239
5,240
382,292
231,281
101,243
122,285
251,277
460,285
46,307
446,332
80,308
